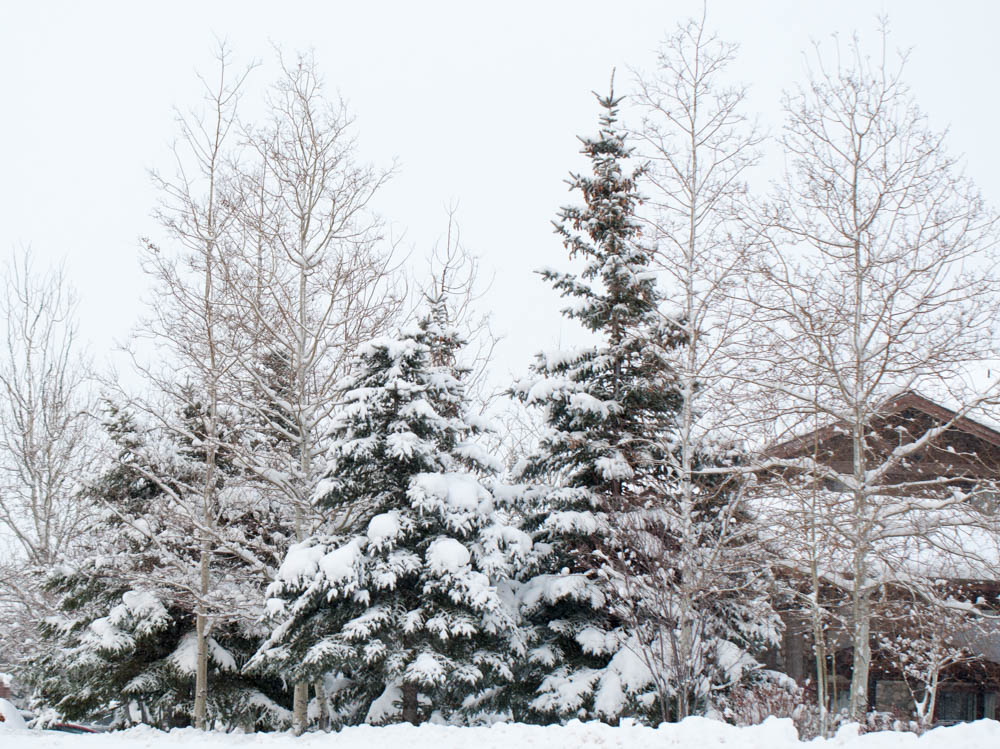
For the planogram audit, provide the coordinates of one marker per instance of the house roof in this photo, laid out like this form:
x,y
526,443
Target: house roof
x,y
892,405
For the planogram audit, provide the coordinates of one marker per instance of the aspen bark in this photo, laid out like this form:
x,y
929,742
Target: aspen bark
x,y
300,708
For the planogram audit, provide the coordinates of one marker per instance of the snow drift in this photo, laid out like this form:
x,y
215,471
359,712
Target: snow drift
x,y
693,733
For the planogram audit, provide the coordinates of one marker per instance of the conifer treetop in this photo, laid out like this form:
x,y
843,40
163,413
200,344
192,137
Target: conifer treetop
x,y
603,232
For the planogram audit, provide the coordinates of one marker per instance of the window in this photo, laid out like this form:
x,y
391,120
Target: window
x,y
953,707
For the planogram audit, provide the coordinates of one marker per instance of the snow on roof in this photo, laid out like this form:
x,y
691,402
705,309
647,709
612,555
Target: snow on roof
x,y
911,545
979,422
975,380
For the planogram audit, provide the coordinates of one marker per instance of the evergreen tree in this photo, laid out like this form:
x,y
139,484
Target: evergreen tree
x,y
609,410
126,629
401,605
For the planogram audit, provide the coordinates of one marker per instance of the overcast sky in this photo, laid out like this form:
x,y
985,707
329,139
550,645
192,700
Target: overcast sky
x,y
479,103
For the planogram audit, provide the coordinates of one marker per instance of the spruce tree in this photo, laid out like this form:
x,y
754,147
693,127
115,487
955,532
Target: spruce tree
x,y
124,639
608,411
400,606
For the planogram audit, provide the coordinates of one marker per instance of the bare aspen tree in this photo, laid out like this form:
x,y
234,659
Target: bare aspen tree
x,y
46,437
45,420
453,282
316,278
454,285
802,529
190,322
880,280
699,146
923,641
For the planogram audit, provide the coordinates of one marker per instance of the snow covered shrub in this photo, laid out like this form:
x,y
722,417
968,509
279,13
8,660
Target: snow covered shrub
x,y
770,693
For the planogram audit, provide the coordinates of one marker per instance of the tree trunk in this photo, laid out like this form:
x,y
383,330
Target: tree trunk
x,y
410,714
324,711
201,625
819,650
861,665
925,712
204,583
201,674
300,708
816,616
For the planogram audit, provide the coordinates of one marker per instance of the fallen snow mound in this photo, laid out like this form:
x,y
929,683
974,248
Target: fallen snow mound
x,y
693,733
10,718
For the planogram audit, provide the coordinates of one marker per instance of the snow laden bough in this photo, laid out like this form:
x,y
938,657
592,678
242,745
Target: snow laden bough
x,y
412,601
137,664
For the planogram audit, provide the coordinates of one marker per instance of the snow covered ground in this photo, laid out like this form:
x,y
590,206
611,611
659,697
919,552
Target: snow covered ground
x,y
693,733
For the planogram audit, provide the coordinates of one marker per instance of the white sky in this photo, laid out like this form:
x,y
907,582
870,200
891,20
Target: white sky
x,y
480,104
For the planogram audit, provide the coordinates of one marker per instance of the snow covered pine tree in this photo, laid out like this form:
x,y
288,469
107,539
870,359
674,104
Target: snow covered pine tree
x,y
399,611
125,634
609,411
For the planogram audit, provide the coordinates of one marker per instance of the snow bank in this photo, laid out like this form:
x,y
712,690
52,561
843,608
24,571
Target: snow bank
x,y
10,719
693,733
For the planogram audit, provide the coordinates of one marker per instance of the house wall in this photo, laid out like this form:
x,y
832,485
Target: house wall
x,y
962,697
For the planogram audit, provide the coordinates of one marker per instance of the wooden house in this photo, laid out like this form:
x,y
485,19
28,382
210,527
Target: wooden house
x,y
963,460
